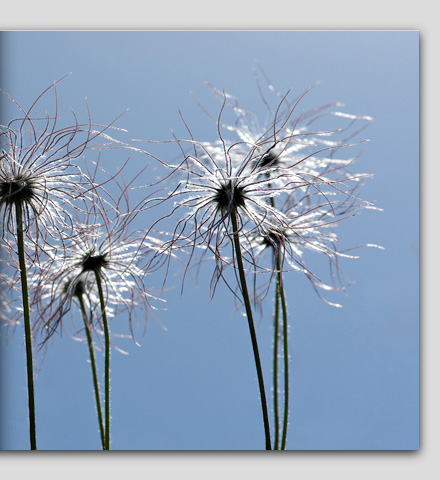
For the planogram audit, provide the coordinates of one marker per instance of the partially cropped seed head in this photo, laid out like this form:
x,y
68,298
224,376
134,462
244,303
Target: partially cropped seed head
x,y
40,174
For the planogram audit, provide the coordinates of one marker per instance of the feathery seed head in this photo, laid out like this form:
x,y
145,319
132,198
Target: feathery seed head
x,y
283,181
102,245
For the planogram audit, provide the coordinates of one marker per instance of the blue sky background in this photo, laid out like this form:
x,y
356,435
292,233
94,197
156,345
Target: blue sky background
x,y
354,371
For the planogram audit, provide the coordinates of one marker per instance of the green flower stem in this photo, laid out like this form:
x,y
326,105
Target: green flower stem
x,y
247,304
276,341
27,327
94,370
107,362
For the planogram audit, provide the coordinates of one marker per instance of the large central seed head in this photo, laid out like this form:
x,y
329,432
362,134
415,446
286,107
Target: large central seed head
x,y
229,196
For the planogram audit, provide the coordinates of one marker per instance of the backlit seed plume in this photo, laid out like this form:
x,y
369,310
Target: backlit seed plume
x,y
284,163
304,175
103,243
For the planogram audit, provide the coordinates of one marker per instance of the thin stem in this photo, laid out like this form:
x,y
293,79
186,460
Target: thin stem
x,y
247,304
280,295
94,369
107,362
27,327
276,341
286,362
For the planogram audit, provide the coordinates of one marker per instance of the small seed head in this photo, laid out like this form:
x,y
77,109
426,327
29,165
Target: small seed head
x,y
268,159
274,239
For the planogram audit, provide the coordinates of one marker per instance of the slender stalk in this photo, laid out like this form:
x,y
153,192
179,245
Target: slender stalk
x,y
280,295
107,362
94,369
27,326
247,304
276,341
286,363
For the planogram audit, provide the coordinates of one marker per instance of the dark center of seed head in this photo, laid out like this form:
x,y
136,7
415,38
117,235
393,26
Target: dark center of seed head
x,y
267,159
273,238
17,190
79,288
229,196
76,288
94,263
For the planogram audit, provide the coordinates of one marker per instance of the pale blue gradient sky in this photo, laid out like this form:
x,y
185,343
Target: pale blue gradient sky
x,y
354,370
